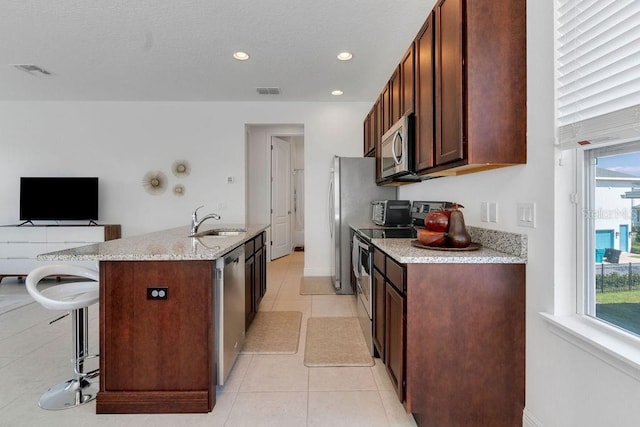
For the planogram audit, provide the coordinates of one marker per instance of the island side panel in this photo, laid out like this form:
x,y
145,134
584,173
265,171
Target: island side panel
x,y
156,355
466,343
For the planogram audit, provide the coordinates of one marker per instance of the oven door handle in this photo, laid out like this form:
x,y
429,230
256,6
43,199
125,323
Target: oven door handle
x,y
355,258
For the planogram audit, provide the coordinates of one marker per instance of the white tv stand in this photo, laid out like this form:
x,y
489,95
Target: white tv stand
x,y
19,246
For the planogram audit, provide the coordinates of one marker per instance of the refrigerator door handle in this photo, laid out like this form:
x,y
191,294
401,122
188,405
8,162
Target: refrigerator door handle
x,y
331,206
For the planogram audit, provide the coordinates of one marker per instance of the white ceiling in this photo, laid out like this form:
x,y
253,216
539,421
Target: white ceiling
x,y
180,50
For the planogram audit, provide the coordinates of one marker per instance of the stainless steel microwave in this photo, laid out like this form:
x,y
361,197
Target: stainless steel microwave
x,y
397,148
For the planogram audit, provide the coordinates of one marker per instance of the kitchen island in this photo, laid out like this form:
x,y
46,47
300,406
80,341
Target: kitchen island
x,y
159,311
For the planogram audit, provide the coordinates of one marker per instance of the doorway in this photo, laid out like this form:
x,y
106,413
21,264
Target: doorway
x,y
275,185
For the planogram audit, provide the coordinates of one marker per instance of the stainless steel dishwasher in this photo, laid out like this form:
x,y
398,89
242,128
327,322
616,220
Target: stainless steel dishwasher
x,y
229,310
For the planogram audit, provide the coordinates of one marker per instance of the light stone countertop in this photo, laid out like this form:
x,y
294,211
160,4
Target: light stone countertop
x,y
498,247
166,245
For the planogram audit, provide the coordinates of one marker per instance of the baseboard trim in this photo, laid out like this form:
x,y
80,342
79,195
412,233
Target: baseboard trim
x,y
528,420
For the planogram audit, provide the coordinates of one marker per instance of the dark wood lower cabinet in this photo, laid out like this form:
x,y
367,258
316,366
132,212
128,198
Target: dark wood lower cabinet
x,y
255,276
379,291
465,344
250,308
156,355
454,339
394,338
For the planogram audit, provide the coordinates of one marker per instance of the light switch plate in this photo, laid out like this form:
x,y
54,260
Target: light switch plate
x,y
484,211
527,214
493,211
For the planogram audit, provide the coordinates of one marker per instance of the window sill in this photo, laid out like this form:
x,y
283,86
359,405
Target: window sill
x,y
609,344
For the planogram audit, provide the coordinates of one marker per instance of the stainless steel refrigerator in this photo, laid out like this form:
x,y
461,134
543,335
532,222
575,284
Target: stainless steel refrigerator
x,y
351,190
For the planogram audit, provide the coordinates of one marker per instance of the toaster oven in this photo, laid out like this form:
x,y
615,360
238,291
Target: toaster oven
x,y
391,213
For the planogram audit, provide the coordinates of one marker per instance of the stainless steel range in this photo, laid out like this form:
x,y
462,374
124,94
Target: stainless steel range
x,y
362,259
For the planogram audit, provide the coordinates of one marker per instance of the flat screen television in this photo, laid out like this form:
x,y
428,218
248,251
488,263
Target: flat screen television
x,y
58,198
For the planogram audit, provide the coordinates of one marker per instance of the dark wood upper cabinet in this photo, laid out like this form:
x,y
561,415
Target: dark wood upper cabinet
x,y
450,136
378,137
424,96
467,88
385,108
395,94
407,82
369,131
480,85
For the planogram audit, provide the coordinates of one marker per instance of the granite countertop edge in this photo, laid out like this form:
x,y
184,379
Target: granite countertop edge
x,y
166,245
498,247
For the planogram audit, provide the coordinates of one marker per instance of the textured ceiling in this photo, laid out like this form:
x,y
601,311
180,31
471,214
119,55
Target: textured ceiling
x,y
178,50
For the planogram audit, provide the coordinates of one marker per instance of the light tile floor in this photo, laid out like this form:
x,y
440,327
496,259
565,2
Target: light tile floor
x,y
262,390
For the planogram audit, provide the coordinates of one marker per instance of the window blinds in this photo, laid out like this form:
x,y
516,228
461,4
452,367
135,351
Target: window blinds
x,y
597,71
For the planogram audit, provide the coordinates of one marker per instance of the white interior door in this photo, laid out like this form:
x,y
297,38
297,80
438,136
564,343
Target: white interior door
x,y
280,197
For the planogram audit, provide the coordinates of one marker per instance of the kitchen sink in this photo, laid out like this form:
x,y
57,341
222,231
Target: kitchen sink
x,y
215,232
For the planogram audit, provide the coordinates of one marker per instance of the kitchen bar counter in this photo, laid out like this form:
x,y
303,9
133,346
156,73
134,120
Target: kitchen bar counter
x,y
159,351
167,245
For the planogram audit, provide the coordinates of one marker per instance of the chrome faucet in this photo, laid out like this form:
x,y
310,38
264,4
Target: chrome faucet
x,y
195,223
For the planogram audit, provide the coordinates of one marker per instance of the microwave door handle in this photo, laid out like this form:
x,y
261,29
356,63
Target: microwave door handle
x,y
397,158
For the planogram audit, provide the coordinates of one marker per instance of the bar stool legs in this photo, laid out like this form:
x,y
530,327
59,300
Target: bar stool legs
x,y
78,390
74,297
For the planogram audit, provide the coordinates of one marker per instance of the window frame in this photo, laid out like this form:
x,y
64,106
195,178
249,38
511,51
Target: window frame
x,y
586,226
571,321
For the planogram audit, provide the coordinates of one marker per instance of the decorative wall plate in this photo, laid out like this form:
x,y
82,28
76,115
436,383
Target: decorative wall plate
x,y
178,190
154,182
181,168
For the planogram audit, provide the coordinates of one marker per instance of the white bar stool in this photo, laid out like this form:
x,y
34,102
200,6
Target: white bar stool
x,y
75,297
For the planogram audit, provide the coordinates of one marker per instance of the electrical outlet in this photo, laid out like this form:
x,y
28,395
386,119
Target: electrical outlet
x,y
526,214
157,293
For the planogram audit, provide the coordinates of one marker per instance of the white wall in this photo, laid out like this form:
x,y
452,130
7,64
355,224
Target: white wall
x,y
120,141
565,386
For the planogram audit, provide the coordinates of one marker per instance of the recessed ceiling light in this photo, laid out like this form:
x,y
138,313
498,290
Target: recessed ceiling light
x,y
337,92
345,56
241,56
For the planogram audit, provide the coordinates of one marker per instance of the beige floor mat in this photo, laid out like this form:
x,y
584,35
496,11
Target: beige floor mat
x,y
320,285
335,341
273,332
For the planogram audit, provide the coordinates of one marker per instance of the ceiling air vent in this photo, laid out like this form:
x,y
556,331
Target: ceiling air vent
x,y
268,90
31,69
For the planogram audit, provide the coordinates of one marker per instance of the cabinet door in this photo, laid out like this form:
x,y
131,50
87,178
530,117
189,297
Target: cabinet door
x,y
378,137
249,292
385,109
424,94
449,85
407,82
394,336
92,234
259,278
366,135
395,94
156,355
378,312
261,260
